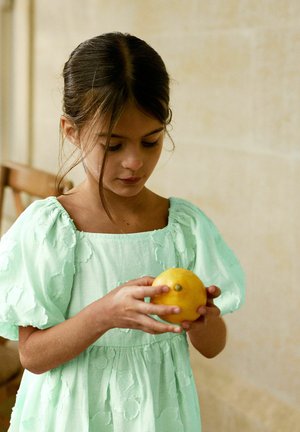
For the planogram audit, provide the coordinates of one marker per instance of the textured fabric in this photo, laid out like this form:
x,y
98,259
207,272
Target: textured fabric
x,y
128,380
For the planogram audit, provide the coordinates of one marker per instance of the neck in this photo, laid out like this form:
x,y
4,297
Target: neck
x,y
116,205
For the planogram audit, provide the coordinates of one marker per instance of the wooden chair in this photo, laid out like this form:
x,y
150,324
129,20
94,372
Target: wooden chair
x,y
34,183
31,181
10,370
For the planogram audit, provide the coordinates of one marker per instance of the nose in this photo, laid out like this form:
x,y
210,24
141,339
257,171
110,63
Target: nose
x,y
132,161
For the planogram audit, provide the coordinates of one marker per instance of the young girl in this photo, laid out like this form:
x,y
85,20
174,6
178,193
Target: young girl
x,y
77,270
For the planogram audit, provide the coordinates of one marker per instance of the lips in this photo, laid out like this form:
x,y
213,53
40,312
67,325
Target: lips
x,y
130,180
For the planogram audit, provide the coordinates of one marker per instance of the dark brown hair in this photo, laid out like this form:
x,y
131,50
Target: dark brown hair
x,y
104,73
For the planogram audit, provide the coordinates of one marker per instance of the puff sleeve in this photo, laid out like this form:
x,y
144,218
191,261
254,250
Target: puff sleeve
x,y
36,269
218,265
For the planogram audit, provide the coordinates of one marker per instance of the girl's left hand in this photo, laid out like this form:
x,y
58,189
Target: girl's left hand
x,y
206,312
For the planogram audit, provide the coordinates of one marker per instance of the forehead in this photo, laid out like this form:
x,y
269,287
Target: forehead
x,y
133,123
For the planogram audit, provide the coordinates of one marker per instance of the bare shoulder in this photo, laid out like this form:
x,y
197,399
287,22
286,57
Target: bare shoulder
x,y
70,204
84,216
159,207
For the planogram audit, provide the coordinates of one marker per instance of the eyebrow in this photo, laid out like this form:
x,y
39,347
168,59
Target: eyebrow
x,y
104,134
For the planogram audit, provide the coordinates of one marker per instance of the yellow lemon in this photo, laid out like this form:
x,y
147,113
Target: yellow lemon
x,y
186,291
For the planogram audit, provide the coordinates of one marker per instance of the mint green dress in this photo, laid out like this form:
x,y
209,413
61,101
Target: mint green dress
x,y
128,380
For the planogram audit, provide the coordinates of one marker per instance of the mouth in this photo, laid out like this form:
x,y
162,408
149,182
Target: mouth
x,y
130,180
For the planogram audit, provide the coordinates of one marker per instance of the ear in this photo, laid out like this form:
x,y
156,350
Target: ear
x,y
69,130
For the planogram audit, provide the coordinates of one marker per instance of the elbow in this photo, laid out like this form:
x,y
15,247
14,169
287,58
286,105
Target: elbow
x,y
30,354
28,364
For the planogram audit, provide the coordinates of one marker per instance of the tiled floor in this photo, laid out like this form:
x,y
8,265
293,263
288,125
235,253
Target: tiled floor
x,y
5,410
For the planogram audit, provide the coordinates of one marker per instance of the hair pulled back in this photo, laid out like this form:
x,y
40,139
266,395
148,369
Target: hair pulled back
x,y
104,73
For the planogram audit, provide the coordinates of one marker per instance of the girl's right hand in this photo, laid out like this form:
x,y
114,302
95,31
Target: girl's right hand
x,y
124,307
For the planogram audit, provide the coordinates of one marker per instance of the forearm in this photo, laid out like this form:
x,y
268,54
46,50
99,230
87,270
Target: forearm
x,y
123,307
42,350
209,337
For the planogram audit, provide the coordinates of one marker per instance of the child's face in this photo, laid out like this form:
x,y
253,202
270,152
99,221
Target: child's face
x,y
133,153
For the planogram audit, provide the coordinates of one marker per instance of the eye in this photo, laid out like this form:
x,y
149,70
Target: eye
x,y
113,147
149,144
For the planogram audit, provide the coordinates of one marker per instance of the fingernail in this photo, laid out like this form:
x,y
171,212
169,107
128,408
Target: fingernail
x,y
177,329
165,288
176,310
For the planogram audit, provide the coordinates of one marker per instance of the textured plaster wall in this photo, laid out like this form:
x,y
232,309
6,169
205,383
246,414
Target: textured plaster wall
x,y
235,98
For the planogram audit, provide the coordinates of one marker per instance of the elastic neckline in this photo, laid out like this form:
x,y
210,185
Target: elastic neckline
x,y
117,235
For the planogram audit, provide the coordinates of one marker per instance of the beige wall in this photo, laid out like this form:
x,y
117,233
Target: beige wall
x,y
235,97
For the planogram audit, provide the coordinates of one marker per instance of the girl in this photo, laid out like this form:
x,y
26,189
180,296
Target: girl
x,y
73,287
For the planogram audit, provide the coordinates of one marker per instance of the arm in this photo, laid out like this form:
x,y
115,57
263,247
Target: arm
x,y
123,307
208,333
42,350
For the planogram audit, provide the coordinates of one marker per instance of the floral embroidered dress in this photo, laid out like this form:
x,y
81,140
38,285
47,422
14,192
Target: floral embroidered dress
x,y
128,380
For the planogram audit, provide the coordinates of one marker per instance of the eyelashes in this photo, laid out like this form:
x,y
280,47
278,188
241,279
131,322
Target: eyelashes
x,y
145,144
148,144
114,148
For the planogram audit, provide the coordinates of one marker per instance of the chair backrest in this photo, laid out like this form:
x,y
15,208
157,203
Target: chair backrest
x,y
31,181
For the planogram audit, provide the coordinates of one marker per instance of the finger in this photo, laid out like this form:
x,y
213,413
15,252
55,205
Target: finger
x,y
142,281
209,309
213,311
161,310
150,325
191,325
213,291
145,280
149,291
201,310
186,325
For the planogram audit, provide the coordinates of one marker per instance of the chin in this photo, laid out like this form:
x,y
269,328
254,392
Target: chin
x,y
129,192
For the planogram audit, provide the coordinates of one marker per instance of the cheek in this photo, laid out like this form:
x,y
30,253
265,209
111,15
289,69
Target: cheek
x,y
93,162
155,157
